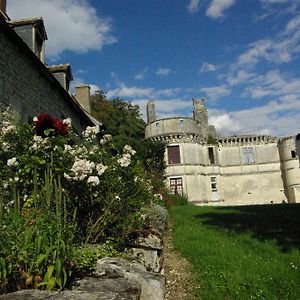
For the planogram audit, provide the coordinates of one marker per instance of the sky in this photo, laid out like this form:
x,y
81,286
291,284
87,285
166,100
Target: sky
x,y
241,56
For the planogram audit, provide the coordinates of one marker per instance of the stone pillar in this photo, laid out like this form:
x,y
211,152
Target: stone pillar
x,y
83,96
151,111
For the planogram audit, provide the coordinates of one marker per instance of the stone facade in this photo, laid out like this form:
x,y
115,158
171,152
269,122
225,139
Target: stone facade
x,y
27,84
236,170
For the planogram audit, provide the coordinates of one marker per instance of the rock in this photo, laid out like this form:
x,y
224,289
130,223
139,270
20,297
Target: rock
x,y
153,240
88,289
151,259
119,278
158,217
147,243
152,285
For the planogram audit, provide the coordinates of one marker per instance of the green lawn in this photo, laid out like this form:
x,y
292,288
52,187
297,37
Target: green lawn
x,y
249,252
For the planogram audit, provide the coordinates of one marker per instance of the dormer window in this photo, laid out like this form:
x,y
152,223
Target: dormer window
x,y
63,74
33,33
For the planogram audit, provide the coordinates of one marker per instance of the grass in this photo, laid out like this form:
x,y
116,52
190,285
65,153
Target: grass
x,y
240,253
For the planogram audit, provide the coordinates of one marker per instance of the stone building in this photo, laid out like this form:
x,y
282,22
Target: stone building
x,y
28,84
233,170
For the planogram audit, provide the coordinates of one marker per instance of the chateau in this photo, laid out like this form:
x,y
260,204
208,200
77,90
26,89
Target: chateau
x,y
232,170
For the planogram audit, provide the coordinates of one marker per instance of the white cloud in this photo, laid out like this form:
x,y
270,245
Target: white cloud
x,y
207,67
273,1
123,91
224,124
79,81
141,75
293,25
281,49
165,108
256,51
216,92
94,88
276,118
171,92
241,76
273,84
193,6
81,71
217,7
163,72
70,24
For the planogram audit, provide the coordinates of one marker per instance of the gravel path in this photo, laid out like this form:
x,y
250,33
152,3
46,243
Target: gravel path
x,y
176,271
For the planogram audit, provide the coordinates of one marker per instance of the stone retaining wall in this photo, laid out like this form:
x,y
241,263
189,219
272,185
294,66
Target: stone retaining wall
x,y
139,277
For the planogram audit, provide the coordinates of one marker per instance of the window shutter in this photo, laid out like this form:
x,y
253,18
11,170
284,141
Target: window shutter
x,y
173,154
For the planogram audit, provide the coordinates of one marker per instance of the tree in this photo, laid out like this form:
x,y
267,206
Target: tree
x,y
123,121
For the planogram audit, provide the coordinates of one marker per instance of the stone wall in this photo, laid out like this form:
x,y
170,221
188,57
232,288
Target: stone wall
x,y
236,181
172,126
138,277
290,168
28,86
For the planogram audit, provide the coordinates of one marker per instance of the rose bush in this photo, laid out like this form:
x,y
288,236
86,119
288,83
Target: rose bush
x,y
89,190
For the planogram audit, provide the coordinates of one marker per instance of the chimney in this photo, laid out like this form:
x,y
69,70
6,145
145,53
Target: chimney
x,y
151,111
83,96
3,6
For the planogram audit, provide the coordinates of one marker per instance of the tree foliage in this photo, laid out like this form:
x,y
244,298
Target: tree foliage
x,y
119,117
123,121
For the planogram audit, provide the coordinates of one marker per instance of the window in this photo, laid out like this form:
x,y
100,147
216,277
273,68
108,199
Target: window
x,y
213,183
248,155
211,155
293,153
214,189
176,186
157,124
181,123
173,155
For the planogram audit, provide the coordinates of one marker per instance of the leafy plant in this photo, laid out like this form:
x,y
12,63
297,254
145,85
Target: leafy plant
x,y
36,243
52,189
84,257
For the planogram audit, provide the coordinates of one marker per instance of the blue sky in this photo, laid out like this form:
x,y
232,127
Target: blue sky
x,y
242,56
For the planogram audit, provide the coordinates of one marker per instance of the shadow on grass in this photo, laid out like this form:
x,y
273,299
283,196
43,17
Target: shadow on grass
x,y
266,222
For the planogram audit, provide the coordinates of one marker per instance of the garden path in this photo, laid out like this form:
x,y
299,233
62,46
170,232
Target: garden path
x,y
177,273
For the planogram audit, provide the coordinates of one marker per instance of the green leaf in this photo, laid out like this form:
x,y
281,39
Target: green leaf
x,y
65,276
40,258
57,267
38,244
58,281
51,283
3,272
49,273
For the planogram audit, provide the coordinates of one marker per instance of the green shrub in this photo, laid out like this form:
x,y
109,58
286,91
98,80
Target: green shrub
x,y
176,200
52,189
35,242
84,257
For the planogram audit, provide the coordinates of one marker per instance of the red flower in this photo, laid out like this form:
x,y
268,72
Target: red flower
x,y
60,127
45,121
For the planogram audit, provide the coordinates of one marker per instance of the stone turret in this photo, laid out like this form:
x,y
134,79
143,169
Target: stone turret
x,y
151,117
200,112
